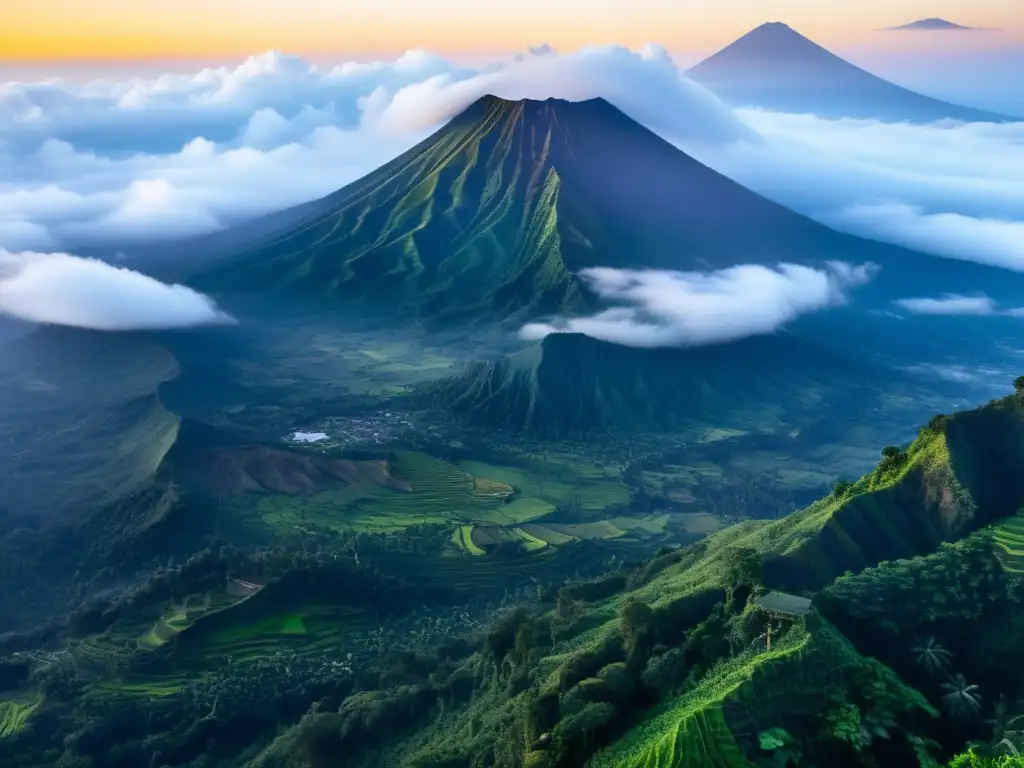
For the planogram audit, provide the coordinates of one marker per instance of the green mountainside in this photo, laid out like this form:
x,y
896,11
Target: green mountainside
x,y
494,215
880,626
570,383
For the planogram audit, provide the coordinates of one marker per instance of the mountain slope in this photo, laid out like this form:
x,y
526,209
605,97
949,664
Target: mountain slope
x,y
777,68
570,383
494,215
898,587
81,422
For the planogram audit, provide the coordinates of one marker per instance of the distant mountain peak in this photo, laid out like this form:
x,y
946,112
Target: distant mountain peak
x,y
775,67
933,24
773,41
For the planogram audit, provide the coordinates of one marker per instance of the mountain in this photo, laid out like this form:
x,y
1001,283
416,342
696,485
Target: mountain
x,y
570,383
494,215
775,67
936,25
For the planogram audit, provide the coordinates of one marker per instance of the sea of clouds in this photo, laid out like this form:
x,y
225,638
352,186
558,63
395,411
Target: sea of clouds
x,y
129,162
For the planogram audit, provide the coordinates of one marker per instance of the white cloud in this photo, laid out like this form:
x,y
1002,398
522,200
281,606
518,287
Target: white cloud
x,y
646,85
952,189
959,374
62,289
990,241
82,164
950,304
187,153
957,304
663,308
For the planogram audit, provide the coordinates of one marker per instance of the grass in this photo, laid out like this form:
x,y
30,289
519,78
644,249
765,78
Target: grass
x,y
245,632
263,630
462,537
691,731
15,711
441,493
1009,541
558,480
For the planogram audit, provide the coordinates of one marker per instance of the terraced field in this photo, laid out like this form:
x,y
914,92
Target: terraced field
x,y
1009,541
127,636
559,480
15,711
537,535
440,492
244,632
305,628
181,617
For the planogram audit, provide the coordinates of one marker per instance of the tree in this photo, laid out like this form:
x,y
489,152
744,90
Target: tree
x,y
961,699
932,656
842,488
890,451
744,566
1018,385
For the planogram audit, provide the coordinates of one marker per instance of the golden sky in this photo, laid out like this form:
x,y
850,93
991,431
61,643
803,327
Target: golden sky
x,y
145,29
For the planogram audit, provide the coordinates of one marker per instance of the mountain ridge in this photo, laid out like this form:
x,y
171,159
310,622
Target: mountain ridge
x,y
775,67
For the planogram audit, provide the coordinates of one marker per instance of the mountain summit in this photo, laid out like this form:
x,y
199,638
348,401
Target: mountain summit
x,y
775,67
496,213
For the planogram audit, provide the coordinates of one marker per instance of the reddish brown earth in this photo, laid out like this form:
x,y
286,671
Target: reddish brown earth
x,y
260,469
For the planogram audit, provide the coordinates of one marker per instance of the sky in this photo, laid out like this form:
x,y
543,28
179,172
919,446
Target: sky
x,y
75,31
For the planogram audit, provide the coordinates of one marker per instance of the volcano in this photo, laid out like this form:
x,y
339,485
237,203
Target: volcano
x,y
495,215
777,68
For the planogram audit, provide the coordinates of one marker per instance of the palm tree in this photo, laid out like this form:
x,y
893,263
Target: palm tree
x,y
961,699
1005,732
932,656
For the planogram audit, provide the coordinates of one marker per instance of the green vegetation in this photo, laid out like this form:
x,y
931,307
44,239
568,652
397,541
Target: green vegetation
x,y
843,634
14,713
427,490
1009,538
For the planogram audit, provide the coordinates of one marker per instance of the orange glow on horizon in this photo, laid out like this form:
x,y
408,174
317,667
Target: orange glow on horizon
x,y
113,30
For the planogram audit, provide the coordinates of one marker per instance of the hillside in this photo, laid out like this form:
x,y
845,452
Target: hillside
x,y
777,68
72,435
570,383
846,634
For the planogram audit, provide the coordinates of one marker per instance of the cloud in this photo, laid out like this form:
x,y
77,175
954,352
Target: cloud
x,y
644,84
987,240
99,164
951,189
62,289
975,375
950,304
960,374
669,309
956,304
187,153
